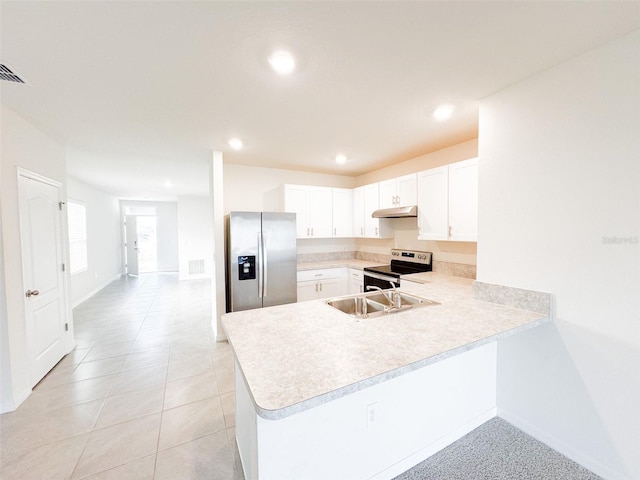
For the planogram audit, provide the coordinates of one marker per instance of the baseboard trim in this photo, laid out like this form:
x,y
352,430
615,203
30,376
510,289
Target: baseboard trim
x,y
562,447
94,291
434,447
11,406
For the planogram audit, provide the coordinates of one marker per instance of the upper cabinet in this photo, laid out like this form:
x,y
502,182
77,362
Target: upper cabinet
x,y
342,212
448,202
313,207
399,192
463,201
358,212
366,200
433,204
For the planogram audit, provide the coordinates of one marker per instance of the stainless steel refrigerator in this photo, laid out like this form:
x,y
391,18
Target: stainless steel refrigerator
x,y
261,260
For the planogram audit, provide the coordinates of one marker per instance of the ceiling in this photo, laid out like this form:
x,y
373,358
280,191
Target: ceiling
x,y
140,93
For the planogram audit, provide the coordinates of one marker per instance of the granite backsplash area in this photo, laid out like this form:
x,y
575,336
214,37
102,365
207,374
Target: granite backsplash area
x,y
457,269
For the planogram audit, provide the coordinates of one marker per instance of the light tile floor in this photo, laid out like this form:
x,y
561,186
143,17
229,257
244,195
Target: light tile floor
x,y
146,394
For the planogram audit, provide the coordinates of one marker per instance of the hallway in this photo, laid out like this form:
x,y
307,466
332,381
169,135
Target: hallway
x,y
146,394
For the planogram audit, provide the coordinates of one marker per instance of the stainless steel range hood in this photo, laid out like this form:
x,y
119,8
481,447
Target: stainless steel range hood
x,y
396,212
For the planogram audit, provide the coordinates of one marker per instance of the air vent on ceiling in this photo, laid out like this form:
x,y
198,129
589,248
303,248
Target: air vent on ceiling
x,y
8,74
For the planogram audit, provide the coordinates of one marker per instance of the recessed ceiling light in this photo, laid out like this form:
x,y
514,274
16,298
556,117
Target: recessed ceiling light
x,y
282,62
168,184
235,143
443,112
341,159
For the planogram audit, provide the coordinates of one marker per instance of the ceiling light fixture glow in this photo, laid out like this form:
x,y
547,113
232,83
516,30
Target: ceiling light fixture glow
x,y
235,143
341,159
282,62
443,112
168,184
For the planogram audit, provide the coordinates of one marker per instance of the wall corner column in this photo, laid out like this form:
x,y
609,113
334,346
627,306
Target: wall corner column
x,y
218,295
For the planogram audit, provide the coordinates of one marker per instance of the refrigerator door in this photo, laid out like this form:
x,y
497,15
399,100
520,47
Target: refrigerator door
x,y
280,260
245,271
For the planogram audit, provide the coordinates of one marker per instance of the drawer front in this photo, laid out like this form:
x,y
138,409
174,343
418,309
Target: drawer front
x,y
320,274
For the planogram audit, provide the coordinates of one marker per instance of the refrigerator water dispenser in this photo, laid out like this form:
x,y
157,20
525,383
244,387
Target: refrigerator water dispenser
x,y
247,267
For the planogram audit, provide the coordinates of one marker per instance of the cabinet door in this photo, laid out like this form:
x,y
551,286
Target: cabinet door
x,y
356,281
463,201
407,190
307,290
433,197
387,193
319,203
342,212
332,287
371,225
295,201
358,212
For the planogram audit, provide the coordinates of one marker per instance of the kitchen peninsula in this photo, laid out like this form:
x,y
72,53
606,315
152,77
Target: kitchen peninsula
x,y
322,395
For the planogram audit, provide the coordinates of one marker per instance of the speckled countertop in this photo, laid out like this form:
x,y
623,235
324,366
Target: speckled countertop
x,y
296,356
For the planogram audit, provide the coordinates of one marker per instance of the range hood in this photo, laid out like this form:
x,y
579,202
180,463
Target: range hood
x,y
396,212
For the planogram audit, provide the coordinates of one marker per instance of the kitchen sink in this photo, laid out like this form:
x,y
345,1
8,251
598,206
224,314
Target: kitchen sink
x,y
375,304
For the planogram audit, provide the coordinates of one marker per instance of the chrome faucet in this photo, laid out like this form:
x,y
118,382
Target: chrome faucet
x,y
393,297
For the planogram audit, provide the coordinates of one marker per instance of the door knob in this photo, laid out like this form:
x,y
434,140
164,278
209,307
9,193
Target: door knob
x,y
32,293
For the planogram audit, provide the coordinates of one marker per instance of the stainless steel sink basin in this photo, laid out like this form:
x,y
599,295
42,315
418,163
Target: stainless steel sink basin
x,y
374,304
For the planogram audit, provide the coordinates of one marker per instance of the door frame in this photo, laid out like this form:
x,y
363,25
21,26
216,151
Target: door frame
x,y
68,335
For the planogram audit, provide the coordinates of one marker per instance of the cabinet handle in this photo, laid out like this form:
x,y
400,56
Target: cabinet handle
x,y
312,231
450,231
307,231
335,232
316,287
320,287
376,231
362,231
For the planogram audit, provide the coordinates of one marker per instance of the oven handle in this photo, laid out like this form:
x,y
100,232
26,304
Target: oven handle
x,y
381,277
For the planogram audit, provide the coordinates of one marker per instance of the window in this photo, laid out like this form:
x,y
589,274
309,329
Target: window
x,y
77,217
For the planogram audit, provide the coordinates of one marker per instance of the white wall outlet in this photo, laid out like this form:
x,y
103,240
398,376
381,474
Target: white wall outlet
x,y
372,414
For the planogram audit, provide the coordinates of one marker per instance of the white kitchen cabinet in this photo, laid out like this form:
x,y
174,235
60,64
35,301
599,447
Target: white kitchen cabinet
x,y
374,227
448,202
313,207
433,204
342,212
371,204
358,212
399,191
322,283
463,201
356,281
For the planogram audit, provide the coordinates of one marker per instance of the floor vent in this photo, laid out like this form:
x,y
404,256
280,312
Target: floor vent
x,y
196,267
9,75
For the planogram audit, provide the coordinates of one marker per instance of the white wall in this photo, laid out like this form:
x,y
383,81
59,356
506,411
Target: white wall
x,y
166,230
104,249
22,145
195,237
559,177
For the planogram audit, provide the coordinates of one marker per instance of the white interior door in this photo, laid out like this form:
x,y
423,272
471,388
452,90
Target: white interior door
x,y
131,234
42,259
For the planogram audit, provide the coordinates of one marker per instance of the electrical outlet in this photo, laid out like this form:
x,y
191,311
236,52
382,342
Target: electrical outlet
x,y
372,415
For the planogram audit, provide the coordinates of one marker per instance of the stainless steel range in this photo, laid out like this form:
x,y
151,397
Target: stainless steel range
x,y
403,262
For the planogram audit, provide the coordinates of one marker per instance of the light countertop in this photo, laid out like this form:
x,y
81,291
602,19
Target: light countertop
x,y
296,356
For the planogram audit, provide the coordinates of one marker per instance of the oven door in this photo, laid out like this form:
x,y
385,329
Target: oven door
x,y
378,280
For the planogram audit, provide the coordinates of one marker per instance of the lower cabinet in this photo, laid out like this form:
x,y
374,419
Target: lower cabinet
x,y
356,281
322,283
